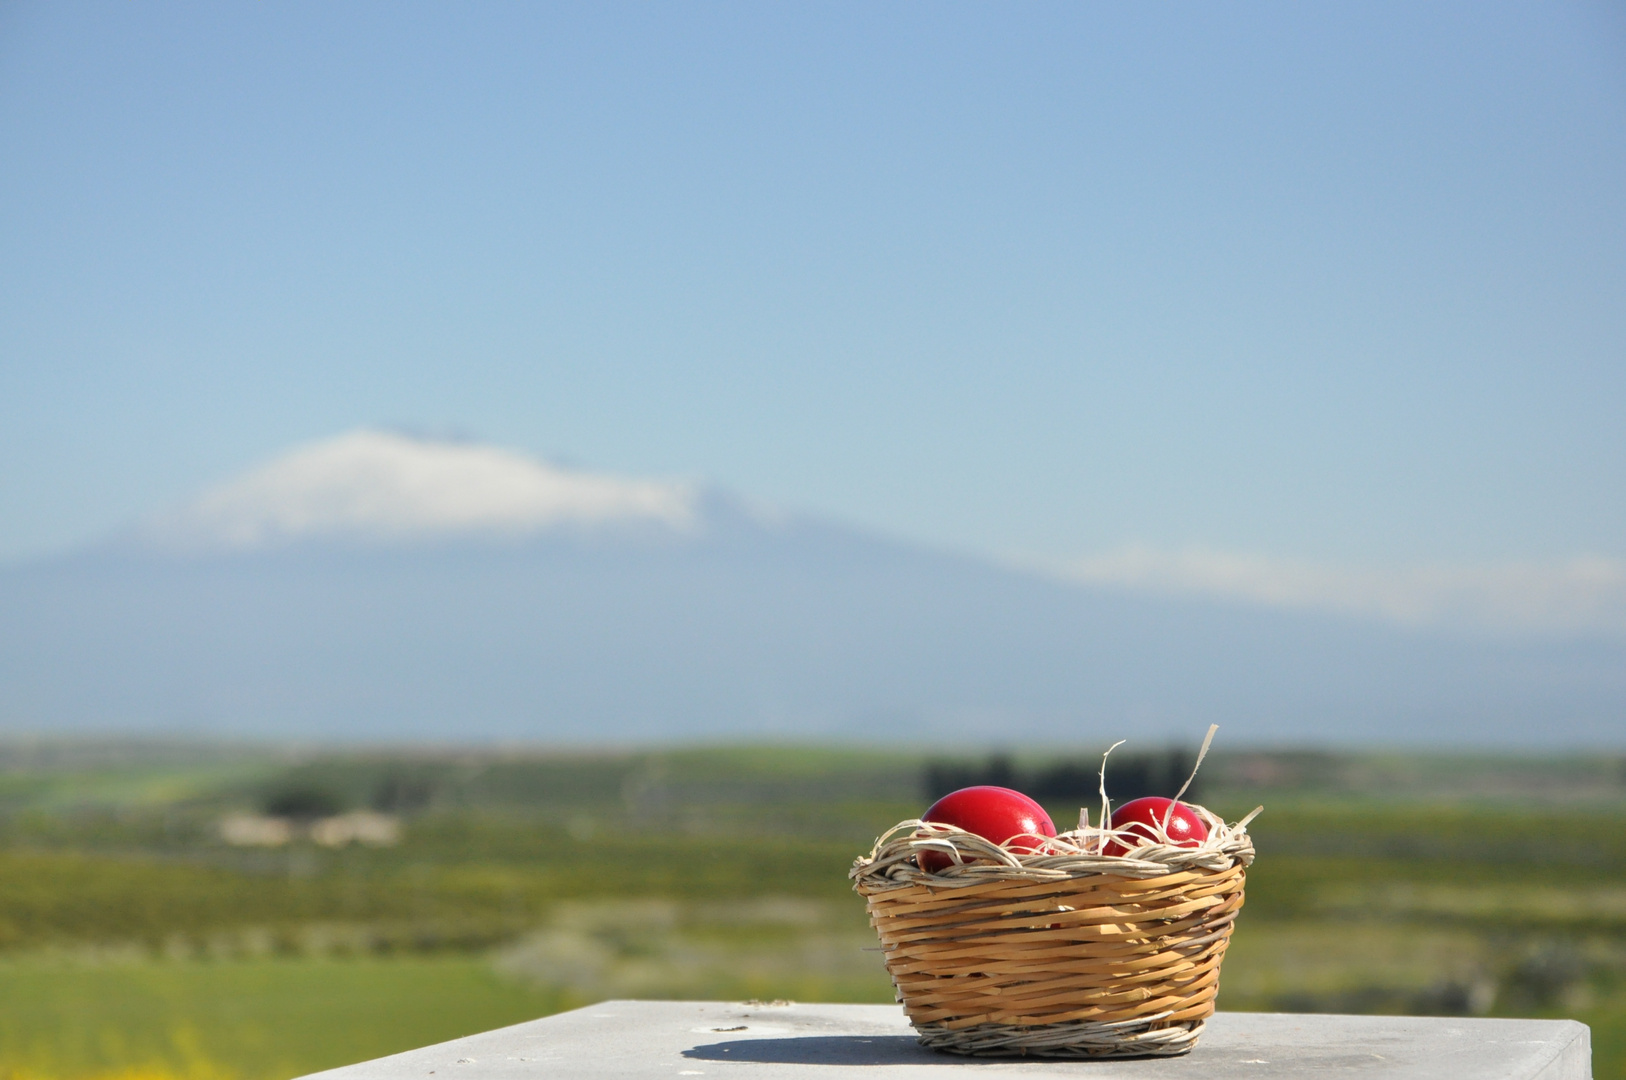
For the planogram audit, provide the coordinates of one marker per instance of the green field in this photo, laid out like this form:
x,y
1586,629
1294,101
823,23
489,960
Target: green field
x,y
242,1018
134,942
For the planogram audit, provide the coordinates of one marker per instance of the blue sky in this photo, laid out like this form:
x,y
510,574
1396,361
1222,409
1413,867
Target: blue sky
x,y
1344,284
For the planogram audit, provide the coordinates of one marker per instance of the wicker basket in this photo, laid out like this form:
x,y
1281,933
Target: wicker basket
x,y
1064,954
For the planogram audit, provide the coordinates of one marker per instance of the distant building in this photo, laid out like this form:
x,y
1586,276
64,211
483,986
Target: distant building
x,y
255,830
358,827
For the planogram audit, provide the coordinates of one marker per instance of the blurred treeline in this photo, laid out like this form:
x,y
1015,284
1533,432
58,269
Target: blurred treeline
x,y
136,941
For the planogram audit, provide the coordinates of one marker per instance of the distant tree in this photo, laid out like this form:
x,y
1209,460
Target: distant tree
x,y
1129,776
302,803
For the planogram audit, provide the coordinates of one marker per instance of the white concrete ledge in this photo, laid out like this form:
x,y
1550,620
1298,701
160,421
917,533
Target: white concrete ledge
x,y
717,1039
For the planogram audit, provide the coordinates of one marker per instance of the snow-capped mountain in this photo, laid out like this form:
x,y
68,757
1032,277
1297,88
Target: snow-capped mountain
x,y
381,487
383,587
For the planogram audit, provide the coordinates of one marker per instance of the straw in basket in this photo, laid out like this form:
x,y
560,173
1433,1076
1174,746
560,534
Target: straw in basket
x,y
1067,953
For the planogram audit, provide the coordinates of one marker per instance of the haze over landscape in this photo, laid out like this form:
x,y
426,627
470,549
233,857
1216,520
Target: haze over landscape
x,y
385,587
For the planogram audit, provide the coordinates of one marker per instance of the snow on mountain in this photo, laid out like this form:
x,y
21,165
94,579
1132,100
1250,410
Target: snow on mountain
x,y
1580,596
381,486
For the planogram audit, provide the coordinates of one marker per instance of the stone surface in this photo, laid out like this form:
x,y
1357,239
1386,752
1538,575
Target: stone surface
x,y
751,1041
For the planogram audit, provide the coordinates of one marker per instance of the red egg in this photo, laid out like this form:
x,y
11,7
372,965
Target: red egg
x,y
999,814
1144,817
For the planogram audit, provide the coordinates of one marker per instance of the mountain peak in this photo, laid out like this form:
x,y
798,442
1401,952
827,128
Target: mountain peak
x,y
379,486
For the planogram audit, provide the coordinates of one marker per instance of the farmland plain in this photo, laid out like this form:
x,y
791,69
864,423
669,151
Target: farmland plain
x,y
136,944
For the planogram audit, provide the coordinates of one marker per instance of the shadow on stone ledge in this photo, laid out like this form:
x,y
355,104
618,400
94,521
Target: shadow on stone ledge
x,y
829,1050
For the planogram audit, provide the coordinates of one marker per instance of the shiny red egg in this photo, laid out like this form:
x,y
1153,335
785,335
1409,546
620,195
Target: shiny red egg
x,y
1144,817
999,814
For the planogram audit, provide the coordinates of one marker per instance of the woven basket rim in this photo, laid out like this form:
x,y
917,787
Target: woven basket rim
x,y
894,860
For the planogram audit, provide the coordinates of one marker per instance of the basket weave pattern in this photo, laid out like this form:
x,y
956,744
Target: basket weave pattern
x,y
1072,955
